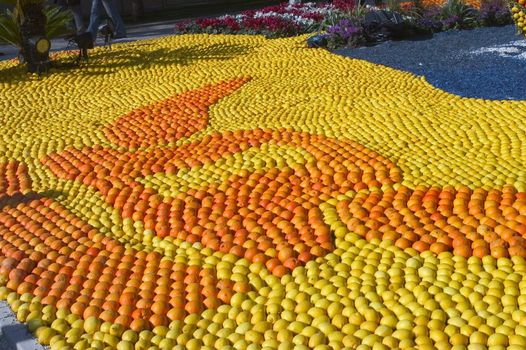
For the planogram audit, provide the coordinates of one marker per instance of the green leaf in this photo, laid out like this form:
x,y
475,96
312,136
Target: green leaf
x,y
58,21
57,24
9,29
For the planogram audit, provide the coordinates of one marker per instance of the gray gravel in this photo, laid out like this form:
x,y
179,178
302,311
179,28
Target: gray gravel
x,y
4,345
136,32
13,334
487,63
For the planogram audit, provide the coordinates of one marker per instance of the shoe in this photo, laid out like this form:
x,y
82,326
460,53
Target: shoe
x,y
84,40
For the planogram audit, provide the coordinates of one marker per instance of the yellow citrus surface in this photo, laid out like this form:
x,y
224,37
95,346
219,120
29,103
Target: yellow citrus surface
x,y
518,12
360,290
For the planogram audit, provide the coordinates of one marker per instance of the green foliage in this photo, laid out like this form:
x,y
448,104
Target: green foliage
x,y
394,5
58,21
57,24
330,20
20,4
357,12
9,28
418,5
467,15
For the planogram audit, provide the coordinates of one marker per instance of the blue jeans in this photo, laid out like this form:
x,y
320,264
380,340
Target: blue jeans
x,y
113,13
77,16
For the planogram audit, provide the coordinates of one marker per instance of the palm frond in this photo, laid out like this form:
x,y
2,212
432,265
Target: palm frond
x,y
58,21
9,29
57,24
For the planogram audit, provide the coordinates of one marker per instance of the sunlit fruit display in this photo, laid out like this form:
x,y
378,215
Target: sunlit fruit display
x,y
430,3
219,192
518,12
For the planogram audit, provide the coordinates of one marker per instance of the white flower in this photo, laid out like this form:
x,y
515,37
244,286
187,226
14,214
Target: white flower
x,y
299,10
298,19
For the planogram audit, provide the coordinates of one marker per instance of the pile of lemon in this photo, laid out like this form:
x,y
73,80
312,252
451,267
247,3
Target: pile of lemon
x,y
365,293
518,13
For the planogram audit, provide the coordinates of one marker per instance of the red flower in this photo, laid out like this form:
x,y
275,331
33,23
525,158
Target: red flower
x,y
344,4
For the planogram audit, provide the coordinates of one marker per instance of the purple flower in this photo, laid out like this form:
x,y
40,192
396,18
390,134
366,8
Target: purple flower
x,y
345,29
431,19
450,22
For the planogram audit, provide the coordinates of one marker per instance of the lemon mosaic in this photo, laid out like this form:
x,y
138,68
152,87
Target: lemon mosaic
x,y
262,158
294,199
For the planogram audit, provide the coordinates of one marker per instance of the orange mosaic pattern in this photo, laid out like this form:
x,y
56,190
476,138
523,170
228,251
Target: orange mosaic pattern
x,y
269,215
58,257
463,221
49,252
14,180
171,119
250,212
278,208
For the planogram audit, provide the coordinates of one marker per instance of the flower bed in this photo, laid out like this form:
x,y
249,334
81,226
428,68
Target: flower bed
x,y
342,21
419,19
273,21
220,191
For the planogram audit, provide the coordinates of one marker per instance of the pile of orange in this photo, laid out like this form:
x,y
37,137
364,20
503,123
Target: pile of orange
x,y
269,216
248,214
462,221
239,192
171,119
13,179
48,252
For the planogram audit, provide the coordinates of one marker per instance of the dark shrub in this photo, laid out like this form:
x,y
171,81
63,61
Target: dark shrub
x,y
494,13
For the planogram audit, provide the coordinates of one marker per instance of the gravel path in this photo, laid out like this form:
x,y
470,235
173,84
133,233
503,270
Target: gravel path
x,y
4,345
136,32
13,334
487,63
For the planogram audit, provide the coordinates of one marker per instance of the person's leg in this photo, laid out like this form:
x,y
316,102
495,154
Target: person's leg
x,y
113,13
77,16
94,19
